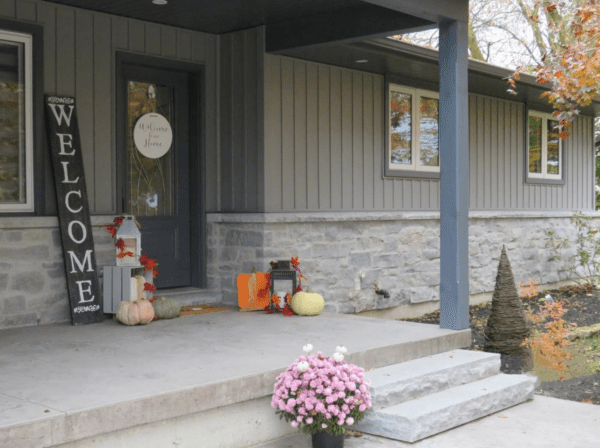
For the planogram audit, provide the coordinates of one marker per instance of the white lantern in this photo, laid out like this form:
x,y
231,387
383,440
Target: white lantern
x,y
131,236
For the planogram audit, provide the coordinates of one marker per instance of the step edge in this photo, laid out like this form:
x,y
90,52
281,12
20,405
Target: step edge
x,y
414,434
513,381
438,382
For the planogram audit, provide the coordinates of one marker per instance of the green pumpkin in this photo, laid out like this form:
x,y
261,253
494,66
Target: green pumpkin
x,y
166,308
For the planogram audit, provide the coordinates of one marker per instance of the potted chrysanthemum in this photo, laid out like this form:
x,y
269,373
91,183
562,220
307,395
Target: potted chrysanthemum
x,y
322,395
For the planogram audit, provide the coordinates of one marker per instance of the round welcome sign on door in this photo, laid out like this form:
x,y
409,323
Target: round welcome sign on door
x,y
153,135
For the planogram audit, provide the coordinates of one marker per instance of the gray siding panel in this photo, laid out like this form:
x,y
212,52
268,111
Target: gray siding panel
x,y
104,160
153,39
312,138
335,110
287,168
241,126
225,131
8,8
26,11
345,134
251,134
184,45
480,150
324,149
357,142
65,58
347,110
212,149
472,152
137,36
237,124
120,33
273,138
381,190
84,93
168,43
367,144
299,136
79,54
199,43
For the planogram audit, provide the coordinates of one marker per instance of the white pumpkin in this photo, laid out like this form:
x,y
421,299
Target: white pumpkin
x,y
307,303
135,312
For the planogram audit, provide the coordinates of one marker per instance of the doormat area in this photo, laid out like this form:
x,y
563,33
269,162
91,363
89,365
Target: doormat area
x,y
192,310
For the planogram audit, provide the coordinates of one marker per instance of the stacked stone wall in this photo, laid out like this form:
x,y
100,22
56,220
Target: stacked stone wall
x,y
400,252
401,255
33,288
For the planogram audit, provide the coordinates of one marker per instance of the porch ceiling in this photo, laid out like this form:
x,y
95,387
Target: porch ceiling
x,y
223,16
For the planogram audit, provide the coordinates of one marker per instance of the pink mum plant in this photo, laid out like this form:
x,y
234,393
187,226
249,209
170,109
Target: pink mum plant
x,y
322,394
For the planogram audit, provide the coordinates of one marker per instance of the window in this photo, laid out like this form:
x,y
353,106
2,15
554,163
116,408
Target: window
x,y
16,122
413,132
544,155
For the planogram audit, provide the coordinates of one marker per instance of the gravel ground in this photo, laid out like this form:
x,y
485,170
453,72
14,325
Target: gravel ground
x,y
583,310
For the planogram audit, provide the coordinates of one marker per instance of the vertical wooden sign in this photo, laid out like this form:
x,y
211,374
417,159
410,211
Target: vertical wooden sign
x,y
73,210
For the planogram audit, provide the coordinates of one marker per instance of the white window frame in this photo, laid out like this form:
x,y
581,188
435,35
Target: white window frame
x,y
415,130
544,174
27,41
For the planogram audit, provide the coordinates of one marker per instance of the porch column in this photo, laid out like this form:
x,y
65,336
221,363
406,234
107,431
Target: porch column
x,y
454,177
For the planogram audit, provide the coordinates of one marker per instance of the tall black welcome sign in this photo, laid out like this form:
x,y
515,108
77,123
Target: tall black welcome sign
x,y
73,210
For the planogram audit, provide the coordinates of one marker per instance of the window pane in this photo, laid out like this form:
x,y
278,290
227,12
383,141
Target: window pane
x,y
553,165
12,124
535,145
151,182
429,131
401,128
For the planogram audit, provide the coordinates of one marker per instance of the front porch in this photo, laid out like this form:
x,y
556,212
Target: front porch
x,y
203,379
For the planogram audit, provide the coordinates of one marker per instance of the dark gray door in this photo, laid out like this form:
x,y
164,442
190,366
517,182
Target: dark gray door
x,y
156,189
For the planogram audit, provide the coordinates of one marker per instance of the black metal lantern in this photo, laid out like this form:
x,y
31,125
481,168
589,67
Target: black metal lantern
x,y
283,271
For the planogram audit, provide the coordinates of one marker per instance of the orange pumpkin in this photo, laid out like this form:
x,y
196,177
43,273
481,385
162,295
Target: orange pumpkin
x,y
253,291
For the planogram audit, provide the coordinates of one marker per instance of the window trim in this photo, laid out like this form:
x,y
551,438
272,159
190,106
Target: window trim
x,y
544,177
27,40
414,170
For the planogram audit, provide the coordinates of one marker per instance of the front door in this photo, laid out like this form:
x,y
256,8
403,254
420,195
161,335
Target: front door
x,y
154,154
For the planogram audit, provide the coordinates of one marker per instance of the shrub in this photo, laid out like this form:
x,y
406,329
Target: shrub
x,y
584,265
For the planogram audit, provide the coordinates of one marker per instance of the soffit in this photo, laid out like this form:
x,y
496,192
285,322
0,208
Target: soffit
x,y
416,66
213,16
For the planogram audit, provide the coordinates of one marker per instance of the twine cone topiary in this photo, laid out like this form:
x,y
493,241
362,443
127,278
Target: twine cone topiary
x,y
507,327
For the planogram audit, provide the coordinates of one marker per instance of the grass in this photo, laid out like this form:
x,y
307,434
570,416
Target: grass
x,y
585,362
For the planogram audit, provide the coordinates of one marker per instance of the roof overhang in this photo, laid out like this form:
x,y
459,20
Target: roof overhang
x,y
417,66
313,20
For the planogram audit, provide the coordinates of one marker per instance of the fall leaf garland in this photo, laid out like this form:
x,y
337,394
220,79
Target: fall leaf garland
x,y
286,310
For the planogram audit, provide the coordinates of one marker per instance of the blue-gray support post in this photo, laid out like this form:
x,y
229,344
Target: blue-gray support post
x,y
454,184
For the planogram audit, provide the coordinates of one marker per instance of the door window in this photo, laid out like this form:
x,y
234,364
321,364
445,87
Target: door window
x,y
150,188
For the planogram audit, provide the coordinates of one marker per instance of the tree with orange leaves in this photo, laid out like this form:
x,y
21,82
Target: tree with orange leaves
x,y
572,67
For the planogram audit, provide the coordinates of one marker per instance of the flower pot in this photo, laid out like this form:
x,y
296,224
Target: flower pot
x,y
326,440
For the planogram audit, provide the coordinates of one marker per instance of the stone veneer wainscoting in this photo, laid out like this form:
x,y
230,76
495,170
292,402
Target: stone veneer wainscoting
x,y
33,288
400,251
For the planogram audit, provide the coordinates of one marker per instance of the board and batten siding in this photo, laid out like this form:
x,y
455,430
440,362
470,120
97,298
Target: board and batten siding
x,y
241,165
497,145
325,138
79,60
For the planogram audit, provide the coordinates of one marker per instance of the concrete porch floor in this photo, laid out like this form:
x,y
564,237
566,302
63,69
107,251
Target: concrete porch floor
x,y
60,383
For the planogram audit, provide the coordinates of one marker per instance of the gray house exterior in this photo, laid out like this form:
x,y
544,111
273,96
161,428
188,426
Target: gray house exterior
x,y
286,156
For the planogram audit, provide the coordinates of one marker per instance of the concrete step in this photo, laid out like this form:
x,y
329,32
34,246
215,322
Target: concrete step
x,y
191,296
406,381
416,419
